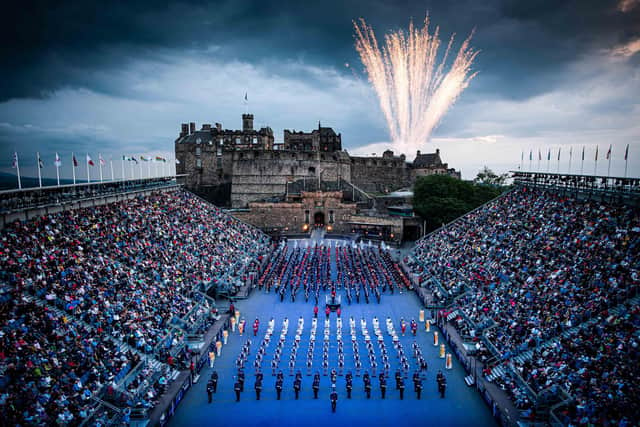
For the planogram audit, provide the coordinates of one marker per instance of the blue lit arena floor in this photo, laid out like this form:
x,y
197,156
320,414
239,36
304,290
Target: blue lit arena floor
x,y
462,405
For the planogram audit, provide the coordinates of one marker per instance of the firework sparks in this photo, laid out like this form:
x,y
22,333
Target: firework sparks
x,y
412,86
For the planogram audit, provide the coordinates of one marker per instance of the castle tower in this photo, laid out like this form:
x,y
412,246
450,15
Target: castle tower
x,y
247,122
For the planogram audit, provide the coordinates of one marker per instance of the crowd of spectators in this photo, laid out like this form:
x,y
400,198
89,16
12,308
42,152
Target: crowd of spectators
x,y
531,265
127,272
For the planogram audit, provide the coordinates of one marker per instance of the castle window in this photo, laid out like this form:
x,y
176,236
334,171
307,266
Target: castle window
x,y
198,140
312,169
219,151
198,151
238,140
306,217
331,219
198,163
255,140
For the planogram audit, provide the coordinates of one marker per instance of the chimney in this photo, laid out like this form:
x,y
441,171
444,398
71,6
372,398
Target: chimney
x,y
438,151
219,127
206,126
192,128
184,129
418,153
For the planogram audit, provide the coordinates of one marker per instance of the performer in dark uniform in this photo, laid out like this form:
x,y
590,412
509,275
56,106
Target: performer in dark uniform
x,y
236,388
367,389
334,399
258,388
316,387
214,381
383,386
401,388
241,380
297,385
442,383
279,387
210,390
418,387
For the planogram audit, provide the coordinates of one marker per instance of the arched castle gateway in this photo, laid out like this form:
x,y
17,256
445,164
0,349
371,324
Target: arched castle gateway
x,y
307,179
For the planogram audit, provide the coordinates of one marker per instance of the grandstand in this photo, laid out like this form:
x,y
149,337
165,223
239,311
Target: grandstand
x,y
540,290
114,295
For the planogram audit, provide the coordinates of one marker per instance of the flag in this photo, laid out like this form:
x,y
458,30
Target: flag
x,y
626,153
530,155
583,152
14,163
132,158
609,152
570,152
245,97
539,155
549,154
40,163
75,161
57,161
89,161
160,159
177,162
102,162
596,153
144,159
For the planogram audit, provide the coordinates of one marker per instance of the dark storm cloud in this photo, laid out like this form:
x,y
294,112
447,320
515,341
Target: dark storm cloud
x,y
48,45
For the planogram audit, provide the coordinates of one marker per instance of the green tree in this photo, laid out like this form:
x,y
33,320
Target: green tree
x,y
439,199
489,177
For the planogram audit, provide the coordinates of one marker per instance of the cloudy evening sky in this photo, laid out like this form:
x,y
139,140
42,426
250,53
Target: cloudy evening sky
x,y
93,77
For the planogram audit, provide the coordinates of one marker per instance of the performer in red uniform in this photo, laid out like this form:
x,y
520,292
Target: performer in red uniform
x,y
256,325
414,327
403,326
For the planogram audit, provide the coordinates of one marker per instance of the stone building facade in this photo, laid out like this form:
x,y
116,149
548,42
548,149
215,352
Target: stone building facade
x,y
431,164
323,139
318,208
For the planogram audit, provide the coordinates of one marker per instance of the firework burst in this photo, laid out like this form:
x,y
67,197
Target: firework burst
x,y
413,87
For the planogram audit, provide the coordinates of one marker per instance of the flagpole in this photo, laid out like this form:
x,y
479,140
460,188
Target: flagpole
x,y
521,159
132,174
558,171
18,171
149,168
88,175
123,177
111,167
570,156
58,169
582,163
609,159
73,168
100,165
595,165
539,158
39,172
626,160
548,159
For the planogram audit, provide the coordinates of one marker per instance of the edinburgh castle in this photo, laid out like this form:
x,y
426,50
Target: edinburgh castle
x,y
308,180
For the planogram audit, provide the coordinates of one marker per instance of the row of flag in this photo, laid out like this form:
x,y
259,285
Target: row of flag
x,y
626,153
58,163
607,157
89,162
